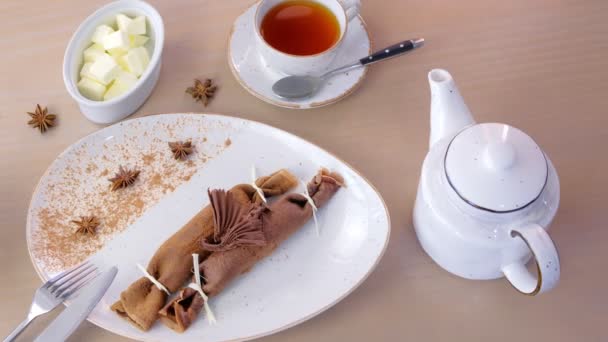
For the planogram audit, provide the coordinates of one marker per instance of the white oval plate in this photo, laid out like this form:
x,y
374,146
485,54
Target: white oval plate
x,y
309,273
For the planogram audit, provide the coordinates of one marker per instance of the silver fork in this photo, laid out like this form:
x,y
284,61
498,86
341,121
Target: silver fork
x,y
55,291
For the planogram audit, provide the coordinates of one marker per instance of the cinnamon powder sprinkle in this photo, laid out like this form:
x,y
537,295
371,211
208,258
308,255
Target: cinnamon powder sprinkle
x,y
80,187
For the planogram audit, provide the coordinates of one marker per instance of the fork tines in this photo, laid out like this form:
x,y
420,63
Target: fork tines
x,y
66,283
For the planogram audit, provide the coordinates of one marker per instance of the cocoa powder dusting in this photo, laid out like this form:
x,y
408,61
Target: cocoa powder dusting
x,y
148,159
81,189
91,167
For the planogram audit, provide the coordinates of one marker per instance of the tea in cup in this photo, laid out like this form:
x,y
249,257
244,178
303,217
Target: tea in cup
x,y
299,37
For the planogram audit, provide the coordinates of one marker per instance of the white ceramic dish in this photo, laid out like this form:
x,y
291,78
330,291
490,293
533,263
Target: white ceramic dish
x,y
257,78
118,108
309,273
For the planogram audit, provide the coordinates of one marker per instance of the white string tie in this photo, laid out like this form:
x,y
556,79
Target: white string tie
x,y
255,186
198,288
312,205
152,279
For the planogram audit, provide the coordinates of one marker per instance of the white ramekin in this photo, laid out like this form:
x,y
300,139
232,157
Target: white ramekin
x,y
105,112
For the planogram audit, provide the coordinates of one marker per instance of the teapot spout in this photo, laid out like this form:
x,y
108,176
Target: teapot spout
x,y
449,112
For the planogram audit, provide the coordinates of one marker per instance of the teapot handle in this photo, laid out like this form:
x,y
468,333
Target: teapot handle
x,y
546,258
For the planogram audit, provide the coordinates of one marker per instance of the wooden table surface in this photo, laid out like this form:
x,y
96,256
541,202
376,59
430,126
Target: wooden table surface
x,y
539,65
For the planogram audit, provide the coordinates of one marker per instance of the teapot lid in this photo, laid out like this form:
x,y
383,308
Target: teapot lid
x,y
496,167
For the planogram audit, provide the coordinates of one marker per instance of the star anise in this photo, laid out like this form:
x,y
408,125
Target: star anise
x,y
87,225
181,149
41,119
123,178
202,91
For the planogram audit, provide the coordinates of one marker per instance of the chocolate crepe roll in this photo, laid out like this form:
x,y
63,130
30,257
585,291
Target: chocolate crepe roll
x,y
171,265
285,216
237,247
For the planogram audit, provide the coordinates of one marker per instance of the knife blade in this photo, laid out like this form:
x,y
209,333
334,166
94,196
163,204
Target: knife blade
x,y
71,317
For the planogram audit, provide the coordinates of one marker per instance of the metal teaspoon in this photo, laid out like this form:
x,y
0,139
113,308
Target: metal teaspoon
x,y
292,87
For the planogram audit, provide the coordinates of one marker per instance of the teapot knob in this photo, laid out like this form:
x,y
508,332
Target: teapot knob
x,y
499,156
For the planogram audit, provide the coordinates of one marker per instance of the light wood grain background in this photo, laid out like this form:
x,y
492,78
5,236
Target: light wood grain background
x,y
539,65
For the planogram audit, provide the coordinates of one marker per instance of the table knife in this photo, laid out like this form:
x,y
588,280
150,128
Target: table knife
x,y
65,324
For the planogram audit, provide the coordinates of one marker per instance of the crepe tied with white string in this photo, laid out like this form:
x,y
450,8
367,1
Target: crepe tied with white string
x,y
280,220
235,224
171,265
284,217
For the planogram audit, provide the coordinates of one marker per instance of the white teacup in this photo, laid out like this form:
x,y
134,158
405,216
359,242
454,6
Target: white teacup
x,y
343,10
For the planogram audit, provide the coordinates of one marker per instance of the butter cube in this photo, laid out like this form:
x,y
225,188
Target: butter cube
x,y
137,60
115,53
122,62
104,69
86,71
100,33
137,40
126,77
115,90
117,42
123,22
122,84
138,25
91,89
131,26
93,52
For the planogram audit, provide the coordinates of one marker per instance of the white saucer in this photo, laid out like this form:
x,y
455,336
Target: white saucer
x,y
249,69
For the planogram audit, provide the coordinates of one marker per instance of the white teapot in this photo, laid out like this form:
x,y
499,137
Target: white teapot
x,y
486,196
